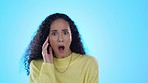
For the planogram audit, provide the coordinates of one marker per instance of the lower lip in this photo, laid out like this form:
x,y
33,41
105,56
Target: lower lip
x,y
61,51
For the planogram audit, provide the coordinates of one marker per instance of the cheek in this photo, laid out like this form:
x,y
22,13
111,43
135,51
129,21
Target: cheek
x,y
69,40
52,41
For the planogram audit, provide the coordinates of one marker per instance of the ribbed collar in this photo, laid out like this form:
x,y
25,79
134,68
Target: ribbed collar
x,y
64,62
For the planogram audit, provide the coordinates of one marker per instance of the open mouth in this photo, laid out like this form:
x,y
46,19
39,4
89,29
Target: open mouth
x,y
61,48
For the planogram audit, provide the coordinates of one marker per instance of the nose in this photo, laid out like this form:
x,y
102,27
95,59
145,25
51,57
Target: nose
x,y
60,38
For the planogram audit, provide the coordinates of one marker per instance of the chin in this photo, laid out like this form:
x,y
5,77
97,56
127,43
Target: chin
x,y
59,55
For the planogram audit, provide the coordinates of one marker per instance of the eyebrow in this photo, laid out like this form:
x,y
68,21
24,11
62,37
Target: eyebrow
x,y
65,30
53,30
57,30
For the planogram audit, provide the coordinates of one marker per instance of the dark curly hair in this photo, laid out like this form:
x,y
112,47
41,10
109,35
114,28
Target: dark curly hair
x,y
34,49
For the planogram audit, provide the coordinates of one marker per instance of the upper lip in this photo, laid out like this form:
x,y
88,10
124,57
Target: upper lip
x,y
60,46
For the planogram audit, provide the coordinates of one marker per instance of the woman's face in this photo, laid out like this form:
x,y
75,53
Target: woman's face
x,y
60,38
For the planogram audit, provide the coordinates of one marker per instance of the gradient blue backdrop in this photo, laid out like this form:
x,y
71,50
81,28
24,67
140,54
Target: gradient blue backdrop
x,y
113,31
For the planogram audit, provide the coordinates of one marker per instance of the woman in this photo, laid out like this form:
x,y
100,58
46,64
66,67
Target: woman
x,y
56,54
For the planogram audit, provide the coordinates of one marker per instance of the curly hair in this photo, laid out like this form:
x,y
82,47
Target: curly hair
x,y
34,49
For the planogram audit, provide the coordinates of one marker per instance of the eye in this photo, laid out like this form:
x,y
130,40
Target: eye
x,y
65,32
53,33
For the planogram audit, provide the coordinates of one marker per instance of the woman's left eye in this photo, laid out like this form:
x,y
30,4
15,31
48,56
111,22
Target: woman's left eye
x,y
65,33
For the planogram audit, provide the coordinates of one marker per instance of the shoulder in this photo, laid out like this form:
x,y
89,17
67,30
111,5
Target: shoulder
x,y
89,63
87,59
36,64
91,60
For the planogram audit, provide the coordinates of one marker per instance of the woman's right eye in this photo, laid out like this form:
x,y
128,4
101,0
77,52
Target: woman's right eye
x,y
53,33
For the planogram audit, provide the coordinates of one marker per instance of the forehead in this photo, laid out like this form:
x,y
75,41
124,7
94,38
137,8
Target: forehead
x,y
59,24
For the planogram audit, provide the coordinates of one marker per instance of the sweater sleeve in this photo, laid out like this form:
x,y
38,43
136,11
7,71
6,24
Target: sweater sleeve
x,y
43,75
92,72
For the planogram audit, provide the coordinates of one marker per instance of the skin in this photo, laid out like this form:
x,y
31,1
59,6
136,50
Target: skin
x,y
59,35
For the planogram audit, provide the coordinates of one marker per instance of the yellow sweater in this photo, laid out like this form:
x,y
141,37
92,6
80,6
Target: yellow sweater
x,y
82,69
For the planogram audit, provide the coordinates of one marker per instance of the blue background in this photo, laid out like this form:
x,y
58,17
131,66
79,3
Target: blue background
x,y
113,31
